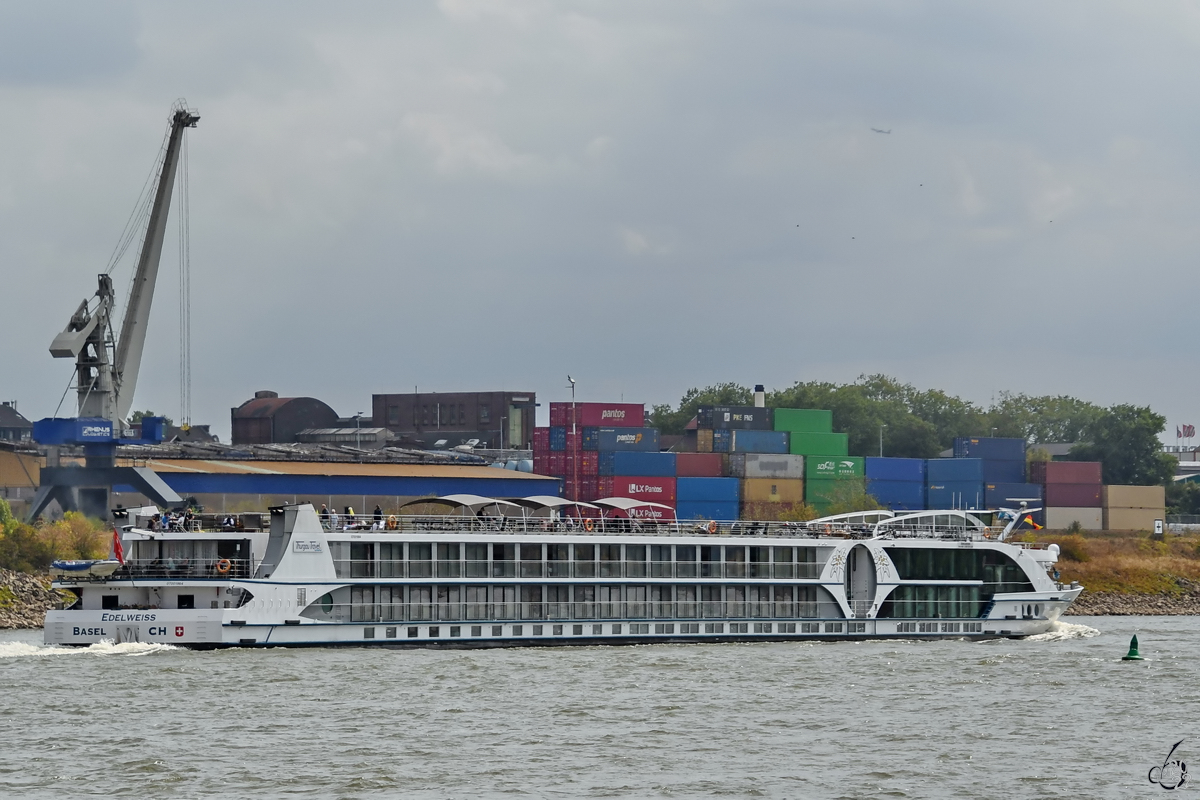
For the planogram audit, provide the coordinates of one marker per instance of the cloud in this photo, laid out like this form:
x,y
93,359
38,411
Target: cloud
x,y
467,194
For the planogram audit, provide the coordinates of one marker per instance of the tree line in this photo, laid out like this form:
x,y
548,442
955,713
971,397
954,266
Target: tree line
x,y
922,423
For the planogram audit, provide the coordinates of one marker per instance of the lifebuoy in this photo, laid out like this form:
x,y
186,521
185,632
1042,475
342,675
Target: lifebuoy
x,y
223,566
588,525
712,526
392,522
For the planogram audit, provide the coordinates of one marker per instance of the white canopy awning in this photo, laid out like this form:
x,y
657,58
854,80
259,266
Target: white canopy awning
x,y
472,501
549,501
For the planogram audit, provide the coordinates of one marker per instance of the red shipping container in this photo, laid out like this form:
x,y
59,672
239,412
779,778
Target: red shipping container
x,y
598,415
556,462
1073,495
541,438
656,490
589,463
604,486
574,441
1066,472
588,486
698,465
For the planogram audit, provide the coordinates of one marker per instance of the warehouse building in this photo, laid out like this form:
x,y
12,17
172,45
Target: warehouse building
x,y
496,420
13,426
234,486
269,418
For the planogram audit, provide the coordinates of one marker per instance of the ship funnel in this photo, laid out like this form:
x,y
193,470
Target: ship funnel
x,y
760,396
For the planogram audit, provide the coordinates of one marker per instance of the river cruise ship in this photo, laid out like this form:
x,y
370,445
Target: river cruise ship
x,y
294,579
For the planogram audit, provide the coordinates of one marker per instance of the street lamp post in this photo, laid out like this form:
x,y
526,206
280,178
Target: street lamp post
x,y
881,427
358,432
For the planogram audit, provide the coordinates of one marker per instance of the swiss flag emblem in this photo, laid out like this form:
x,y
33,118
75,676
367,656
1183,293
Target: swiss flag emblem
x,y
179,630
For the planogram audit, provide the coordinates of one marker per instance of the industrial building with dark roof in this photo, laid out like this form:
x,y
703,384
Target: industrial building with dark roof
x,y
269,418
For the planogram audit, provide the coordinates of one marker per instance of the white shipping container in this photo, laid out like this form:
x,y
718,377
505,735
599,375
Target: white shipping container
x,y
766,465
1060,518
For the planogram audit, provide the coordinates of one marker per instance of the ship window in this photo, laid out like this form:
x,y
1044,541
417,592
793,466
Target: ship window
x,y
585,560
326,602
660,561
760,601
585,602
391,602
420,603
449,599
447,557
412,632
685,561
558,561
362,603
393,415
710,561
391,560
783,557
735,562
685,601
504,560
735,601
110,601
558,602
609,598
187,601
477,560
420,560
760,562
610,561
616,629
711,604
661,605
784,605
635,602
485,412
635,560
455,630
531,561
504,602
477,602
531,602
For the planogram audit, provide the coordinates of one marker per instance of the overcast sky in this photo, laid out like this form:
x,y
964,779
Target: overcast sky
x,y
648,195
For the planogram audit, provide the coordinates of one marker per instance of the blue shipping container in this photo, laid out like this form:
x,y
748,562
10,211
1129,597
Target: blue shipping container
x,y
989,449
896,469
606,462
558,437
590,440
1009,495
707,490
1003,471
645,439
722,440
904,495
692,510
953,470
749,441
659,465
964,494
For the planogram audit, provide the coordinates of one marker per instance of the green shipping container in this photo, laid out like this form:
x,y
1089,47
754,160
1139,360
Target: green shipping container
x,y
833,468
819,444
822,493
807,420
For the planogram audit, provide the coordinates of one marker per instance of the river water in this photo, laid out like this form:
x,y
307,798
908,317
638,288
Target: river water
x,y
1059,715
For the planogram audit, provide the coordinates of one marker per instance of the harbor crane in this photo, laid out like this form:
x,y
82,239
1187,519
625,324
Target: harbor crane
x,y
106,369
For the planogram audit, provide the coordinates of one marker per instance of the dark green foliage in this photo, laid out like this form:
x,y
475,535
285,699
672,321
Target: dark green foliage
x,y
1183,498
1125,439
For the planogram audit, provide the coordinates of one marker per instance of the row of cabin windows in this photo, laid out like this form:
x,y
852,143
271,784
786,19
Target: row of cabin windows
x,y
938,564
954,602
591,601
513,560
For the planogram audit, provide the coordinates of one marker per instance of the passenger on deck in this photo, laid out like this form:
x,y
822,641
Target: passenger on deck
x,y
378,516
324,516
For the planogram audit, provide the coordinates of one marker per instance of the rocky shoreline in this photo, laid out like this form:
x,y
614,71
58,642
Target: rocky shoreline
x,y
25,599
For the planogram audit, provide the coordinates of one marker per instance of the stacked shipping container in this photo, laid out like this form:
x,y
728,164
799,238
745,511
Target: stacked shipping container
x,y
582,439
1133,508
897,483
1072,492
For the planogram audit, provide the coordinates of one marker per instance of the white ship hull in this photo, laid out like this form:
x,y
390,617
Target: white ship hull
x,y
427,586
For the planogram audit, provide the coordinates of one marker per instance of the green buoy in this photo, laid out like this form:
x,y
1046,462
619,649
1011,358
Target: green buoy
x,y
1133,654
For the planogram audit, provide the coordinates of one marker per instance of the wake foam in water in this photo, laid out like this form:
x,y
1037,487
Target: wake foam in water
x,y
104,648
1062,631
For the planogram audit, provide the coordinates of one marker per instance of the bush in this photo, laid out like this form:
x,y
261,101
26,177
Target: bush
x,y
26,548
1073,548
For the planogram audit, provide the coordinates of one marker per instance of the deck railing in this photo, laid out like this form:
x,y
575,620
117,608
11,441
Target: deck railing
x,y
484,570
566,611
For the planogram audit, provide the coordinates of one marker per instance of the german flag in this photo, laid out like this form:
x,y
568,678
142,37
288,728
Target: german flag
x,y
1029,519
